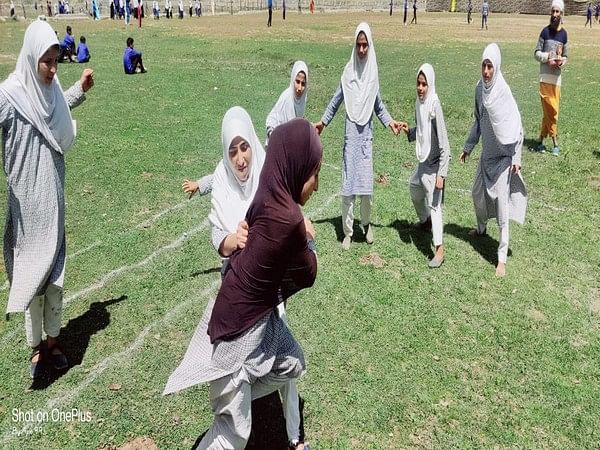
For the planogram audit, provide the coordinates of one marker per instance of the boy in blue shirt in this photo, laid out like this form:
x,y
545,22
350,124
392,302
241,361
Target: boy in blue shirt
x,y
132,59
67,48
83,54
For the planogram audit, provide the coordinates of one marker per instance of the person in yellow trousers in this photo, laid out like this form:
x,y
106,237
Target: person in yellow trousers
x,y
551,52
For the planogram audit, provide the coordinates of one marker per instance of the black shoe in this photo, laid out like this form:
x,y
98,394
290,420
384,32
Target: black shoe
x,y
58,359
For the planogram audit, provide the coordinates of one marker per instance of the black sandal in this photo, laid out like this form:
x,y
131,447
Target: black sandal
x,y
59,360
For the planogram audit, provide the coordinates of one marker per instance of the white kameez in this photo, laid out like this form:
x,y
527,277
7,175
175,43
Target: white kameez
x,y
497,193
36,131
433,155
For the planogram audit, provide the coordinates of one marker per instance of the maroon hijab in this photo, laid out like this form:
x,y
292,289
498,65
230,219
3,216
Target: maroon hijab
x,y
276,245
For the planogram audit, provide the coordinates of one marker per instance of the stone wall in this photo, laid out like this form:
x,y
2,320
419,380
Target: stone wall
x,y
572,7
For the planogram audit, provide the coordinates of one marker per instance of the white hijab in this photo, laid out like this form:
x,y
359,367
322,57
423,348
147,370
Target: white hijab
x,y
230,197
499,101
289,106
425,112
360,80
43,106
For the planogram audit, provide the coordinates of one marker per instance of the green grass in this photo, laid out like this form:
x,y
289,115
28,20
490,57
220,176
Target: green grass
x,y
398,356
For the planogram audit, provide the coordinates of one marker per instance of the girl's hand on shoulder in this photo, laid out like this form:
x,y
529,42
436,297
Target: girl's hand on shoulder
x,y
87,79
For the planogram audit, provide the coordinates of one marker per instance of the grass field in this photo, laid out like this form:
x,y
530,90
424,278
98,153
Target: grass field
x,y
398,356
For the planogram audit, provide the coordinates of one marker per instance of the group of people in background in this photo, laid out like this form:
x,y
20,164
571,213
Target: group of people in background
x,y
590,10
68,52
243,347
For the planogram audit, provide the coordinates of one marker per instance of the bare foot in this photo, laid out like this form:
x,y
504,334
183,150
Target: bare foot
x,y
501,270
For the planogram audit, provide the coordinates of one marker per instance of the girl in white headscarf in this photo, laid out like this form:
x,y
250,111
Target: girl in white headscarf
x,y
292,101
235,179
433,154
234,184
498,190
37,129
291,104
359,90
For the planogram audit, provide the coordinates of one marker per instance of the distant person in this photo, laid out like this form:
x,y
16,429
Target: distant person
x,y
12,9
311,6
597,13
112,9
469,11
589,12
180,9
270,8
391,6
485,10
83,53
67,48
283,8
552,53
191,10
405,12
132,59
414,19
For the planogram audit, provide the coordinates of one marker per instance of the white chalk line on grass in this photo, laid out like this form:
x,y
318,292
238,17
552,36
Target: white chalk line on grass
x,y
144,262
144,224
116,359
106,278
122,356
540,203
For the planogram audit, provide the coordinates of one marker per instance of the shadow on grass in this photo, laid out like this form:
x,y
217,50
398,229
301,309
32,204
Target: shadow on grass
x,y
357,233
409,234
596,153
206,272
485,245
268,425
75,337
530,143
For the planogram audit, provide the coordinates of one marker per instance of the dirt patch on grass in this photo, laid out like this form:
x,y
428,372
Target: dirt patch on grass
x,y
139,443
372,259
536,315
595,306
578,341
383,179
595,181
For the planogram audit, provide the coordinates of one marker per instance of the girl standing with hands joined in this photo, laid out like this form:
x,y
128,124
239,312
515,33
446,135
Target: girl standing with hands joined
x,y
37,130
359,90
433,154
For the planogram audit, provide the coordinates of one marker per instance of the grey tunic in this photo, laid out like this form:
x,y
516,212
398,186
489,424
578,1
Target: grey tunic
x,y
34,237
267,347
493,180
357,166
439,156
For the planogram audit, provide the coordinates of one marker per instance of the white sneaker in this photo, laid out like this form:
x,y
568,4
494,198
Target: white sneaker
x,y
346,243
369,235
